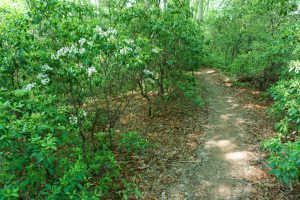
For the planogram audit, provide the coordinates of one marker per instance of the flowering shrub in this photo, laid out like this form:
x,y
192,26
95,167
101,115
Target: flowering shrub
x,y
67,73
177,48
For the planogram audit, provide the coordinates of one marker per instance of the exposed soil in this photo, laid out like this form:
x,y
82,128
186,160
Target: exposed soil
x,y
208,153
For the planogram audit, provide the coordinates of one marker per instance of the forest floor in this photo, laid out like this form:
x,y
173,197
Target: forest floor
x,y
207,153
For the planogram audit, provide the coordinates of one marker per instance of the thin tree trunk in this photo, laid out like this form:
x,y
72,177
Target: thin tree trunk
x,y
200,10
164,4
146,96
146,4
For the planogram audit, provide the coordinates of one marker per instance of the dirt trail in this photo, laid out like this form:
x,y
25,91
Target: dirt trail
x,y
206,153
225,157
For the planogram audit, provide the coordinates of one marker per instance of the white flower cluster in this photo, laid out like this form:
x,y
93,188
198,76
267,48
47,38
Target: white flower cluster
x,y
82,41
125,50
65,50
90,43
82,113
73,120
73,49
44,78
81,50
91,71
111,39
111,31
294,66
29,86
149,76
129,41
46,68
130,3
154,51
148,72
80,66
105,34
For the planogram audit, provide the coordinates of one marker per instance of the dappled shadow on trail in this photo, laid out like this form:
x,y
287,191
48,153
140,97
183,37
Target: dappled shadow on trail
x,y
225,170
205,153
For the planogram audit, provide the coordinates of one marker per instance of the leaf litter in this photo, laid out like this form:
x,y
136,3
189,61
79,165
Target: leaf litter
x,y
185,161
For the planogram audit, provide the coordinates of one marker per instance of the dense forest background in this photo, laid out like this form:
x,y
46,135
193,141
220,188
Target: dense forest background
x,y
258,42
69,70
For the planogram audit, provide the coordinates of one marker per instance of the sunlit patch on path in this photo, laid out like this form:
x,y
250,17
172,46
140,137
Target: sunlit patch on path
x,y
225,171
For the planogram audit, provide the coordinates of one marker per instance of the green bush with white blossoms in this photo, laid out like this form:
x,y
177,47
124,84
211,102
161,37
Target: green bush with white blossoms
x,y
67,74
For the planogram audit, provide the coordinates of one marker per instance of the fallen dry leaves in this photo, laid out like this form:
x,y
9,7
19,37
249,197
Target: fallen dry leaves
x,y
177,135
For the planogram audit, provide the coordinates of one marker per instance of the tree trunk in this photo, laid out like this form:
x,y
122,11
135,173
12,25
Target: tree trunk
x,y
200,10
146,96
146,4
164,4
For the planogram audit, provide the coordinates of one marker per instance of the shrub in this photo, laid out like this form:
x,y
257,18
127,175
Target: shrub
x,y
284,158
68,71
133,142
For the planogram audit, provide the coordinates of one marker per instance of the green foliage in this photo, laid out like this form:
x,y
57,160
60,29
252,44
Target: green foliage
x,y
236,42
177,47
285,150
68,71
188,87
287,105
284,159
258,42
133,142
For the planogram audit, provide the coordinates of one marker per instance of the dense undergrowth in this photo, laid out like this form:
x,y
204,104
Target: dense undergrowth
x,y
70,69
258,42
67,72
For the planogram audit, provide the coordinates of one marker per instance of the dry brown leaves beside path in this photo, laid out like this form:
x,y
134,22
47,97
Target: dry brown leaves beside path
x,y
211,153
